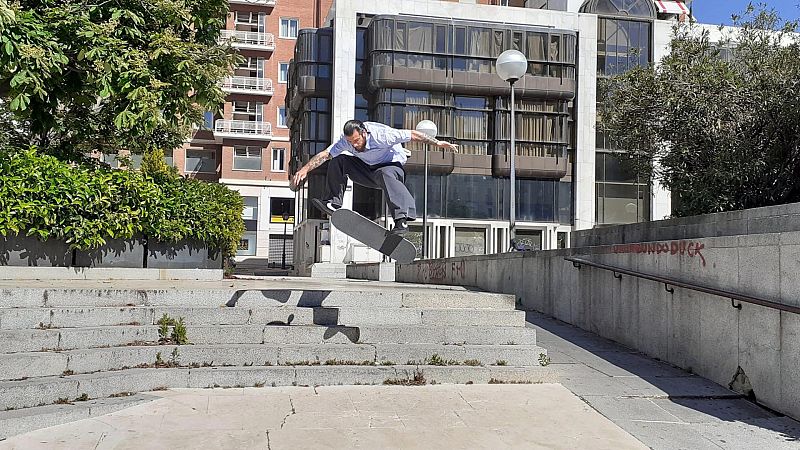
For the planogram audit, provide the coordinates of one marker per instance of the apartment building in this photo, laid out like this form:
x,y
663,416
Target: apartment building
x,y
400,62
246,146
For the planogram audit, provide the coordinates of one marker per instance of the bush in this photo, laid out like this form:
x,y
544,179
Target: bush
x,y
85,204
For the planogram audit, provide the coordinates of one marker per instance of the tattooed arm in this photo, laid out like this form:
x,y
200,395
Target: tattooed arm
x,y
422,137
312,164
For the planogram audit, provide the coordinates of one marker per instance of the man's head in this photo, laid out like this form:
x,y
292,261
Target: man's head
x,y
356,134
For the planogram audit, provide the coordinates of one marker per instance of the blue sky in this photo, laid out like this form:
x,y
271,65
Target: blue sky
x,y
719,11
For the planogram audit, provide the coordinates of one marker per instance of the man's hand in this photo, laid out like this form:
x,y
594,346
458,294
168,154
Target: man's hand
x,y
447,145
298,179
301,175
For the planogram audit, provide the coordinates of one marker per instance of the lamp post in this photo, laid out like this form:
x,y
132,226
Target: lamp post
x,y
285,221
511,66
429,128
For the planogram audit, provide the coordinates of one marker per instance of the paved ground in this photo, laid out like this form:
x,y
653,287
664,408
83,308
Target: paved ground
x,y
662,406
370,417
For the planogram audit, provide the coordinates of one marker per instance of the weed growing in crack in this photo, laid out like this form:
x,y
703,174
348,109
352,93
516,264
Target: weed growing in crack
x,y
544,360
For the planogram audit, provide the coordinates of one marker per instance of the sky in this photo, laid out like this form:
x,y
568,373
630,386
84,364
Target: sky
x,y
719,11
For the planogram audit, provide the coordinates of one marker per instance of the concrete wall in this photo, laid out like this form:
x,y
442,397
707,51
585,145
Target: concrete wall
x,y
755,252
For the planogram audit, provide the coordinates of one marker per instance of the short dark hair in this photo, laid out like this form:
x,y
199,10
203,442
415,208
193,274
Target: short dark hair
x,y
351,126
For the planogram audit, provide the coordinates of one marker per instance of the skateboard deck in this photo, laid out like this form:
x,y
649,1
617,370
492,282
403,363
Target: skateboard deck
x,y
373,235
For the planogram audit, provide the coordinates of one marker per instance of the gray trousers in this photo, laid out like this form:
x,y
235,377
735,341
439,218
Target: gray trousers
x,y
390,178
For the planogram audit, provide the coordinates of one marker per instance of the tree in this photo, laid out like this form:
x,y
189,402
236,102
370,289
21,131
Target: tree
x,y
83,75
716,123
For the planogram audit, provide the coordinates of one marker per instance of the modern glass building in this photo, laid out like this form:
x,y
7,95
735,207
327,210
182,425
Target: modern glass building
x,y
401,62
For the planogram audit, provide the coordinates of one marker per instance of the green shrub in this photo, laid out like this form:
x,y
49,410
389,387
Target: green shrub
x,y
85,204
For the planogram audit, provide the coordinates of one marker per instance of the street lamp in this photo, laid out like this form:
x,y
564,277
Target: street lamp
x,y
429,128
511,66
285,221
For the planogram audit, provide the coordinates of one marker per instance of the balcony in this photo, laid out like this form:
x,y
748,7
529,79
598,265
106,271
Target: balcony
x,y
248,85
270,3
243,129
249,40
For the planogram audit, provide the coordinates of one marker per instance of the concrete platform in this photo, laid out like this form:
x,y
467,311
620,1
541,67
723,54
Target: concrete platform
x,y
447,417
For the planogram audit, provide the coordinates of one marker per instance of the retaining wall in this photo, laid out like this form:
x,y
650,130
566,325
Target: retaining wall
x,y
699,332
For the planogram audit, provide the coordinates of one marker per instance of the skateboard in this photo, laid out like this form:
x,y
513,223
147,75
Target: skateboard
x,y
371,234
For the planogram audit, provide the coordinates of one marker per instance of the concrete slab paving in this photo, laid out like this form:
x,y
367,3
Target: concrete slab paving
x,y
440,416
661,405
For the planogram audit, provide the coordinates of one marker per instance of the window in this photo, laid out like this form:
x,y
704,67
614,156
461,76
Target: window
x,y
282,117
280,206
283,72
250,211
278,159
168,157
208,120
289,28
247,245
200,160
246,157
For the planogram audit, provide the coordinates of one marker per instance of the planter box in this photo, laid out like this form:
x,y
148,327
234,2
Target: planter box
x,y
182,255
116,253
30,251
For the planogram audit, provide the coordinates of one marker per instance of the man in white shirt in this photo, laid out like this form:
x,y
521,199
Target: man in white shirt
x,y
370,154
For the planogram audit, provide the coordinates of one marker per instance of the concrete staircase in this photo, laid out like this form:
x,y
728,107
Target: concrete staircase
x,y
72,353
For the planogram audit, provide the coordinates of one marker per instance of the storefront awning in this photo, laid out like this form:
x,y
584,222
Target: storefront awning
x,y
671,7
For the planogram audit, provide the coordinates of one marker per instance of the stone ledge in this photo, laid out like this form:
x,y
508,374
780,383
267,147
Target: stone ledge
x,y
106,273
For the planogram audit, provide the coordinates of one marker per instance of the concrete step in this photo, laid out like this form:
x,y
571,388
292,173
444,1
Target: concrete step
x,y
15,341
14,366
78,317
18,421
419,316
48,390
414,298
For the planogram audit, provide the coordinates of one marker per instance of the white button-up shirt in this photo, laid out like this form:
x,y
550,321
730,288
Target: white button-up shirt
x,y
382,145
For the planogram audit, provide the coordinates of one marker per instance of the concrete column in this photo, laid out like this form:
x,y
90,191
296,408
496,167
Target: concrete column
x,y
660,200
586,122
344,97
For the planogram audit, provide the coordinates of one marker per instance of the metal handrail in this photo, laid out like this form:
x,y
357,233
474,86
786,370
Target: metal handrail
x,y
577,262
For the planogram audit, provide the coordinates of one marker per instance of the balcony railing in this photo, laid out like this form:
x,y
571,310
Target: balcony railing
x,y
248,85
254,2
249,39
243,129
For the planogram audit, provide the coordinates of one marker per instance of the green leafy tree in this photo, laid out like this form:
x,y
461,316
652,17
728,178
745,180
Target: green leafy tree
x,y
717,123
83,75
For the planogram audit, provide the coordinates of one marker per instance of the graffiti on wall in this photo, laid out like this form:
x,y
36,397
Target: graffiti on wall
x,y
691,249
437,271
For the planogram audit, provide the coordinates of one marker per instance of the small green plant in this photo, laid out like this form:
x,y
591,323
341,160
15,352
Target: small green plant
x,y
67,373
436,360
159,360
83,397
472,362
544,360
179,332
501,362
173,357
417,380
63,401
259,384
387,363
163,327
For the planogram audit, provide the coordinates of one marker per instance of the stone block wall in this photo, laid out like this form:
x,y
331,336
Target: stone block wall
x,y
754,252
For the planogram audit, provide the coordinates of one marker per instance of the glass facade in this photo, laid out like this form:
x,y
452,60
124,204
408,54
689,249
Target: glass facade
x,y
624,42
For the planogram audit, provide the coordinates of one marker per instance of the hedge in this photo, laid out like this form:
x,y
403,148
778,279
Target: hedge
x,y
85,203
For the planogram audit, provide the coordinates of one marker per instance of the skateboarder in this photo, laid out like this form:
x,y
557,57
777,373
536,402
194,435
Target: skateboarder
x,y
370,154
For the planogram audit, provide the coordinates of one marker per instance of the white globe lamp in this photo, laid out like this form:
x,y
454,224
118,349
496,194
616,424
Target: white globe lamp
x,y
511,65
